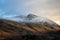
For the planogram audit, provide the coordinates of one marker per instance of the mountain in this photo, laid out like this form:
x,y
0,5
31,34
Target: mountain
x,y
29,29
31,16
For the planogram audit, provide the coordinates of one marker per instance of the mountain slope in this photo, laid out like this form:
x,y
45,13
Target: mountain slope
x,y
11,28
17,29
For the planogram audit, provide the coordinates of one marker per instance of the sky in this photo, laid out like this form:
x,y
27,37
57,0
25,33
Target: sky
x,y
45,8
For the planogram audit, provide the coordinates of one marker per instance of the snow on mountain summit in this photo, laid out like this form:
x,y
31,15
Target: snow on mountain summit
x,y
34,18
30,18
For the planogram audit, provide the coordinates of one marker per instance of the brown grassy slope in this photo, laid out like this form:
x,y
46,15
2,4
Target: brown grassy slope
x,y
11,28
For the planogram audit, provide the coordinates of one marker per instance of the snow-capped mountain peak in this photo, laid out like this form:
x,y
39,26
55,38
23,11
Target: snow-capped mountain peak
x,y
37,19
30,18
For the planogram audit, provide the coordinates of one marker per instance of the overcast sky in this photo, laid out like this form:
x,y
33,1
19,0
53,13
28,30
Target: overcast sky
x,y
45,8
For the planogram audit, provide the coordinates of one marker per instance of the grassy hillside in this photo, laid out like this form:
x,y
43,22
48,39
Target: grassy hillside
x,y
28,31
